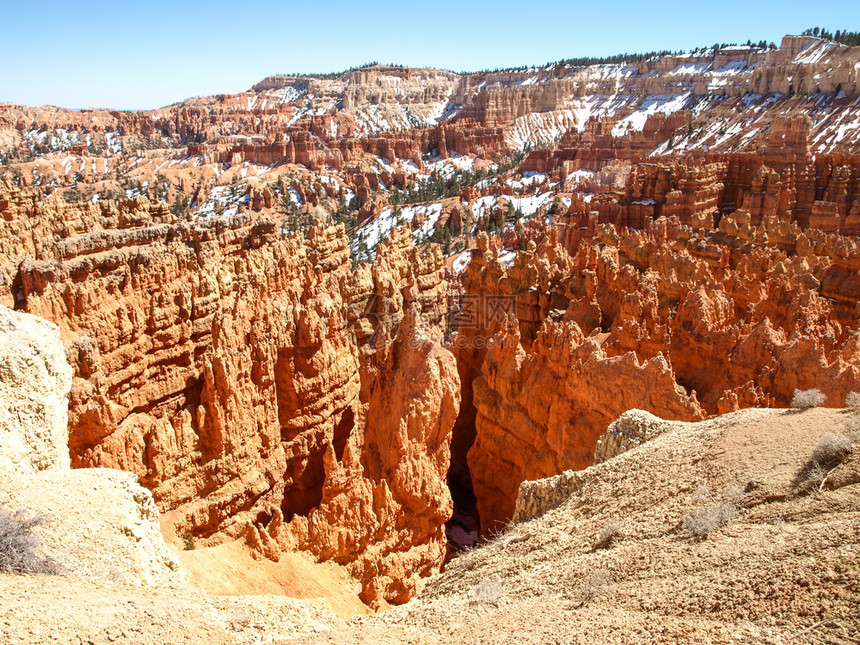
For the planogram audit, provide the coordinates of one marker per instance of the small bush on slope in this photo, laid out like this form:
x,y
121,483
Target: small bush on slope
x,y
804,399
734,493
19,544
188,541
830,451
701,523
489,591
610,532
597,584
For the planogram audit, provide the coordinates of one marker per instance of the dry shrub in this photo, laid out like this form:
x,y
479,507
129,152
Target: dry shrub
x,y
597,584
489,591
812,478
701,523
610,532
188,541
804,399
852,400
830,451
734,493
20,544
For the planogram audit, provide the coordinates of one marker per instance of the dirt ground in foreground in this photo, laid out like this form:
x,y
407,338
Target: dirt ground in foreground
x,y
784,568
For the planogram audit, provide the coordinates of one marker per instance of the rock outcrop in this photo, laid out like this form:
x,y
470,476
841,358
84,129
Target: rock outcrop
x,y
94,523
35,380
537,496
541,411
631,429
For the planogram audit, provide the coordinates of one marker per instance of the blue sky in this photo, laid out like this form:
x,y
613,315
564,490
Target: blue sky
x,y
128,55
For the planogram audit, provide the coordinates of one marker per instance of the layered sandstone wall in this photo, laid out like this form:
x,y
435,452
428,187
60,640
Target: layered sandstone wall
x,y
784,181
244,375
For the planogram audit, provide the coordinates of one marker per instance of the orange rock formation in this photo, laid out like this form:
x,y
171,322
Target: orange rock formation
x,y
671,320
243,376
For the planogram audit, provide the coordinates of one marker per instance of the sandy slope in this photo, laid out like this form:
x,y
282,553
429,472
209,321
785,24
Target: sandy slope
x,y
786,569
783,565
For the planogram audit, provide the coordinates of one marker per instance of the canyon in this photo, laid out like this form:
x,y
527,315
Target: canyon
x,y
334,314
249,379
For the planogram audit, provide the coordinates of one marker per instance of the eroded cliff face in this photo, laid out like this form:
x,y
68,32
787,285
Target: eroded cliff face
x,y
249,378
318,120
678,321
540,411
783,179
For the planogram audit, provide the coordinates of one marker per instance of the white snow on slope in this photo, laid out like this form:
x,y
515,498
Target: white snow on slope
x,y
287,94
689,68
656,104
814,53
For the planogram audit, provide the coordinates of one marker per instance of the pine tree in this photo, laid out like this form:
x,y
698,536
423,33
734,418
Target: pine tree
x,y
446,241
291,212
